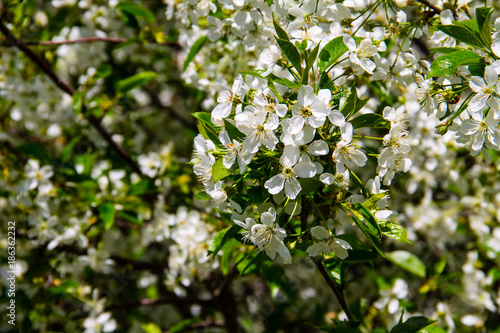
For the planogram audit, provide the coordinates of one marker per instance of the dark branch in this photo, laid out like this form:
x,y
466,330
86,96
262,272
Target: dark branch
x,y
84,40
436,9
67,88
338,293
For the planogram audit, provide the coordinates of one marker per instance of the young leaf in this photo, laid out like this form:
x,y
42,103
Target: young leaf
x,y
135,81
394,231
221,238
408,261
368,232
464,34
413,325
291,52
197,46
446,64
279,30
234,133
77,103
445,50
372,120
136,10
107,214
483,16
332,51
371,223
219,171
352,103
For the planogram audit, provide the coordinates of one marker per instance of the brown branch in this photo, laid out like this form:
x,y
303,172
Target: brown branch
x,y
436,9
67,88
115,40
160,301
338,293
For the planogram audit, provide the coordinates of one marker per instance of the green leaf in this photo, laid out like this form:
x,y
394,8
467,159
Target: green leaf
x,y
370,219
408,261
352,103
129,217
184,324
197,46
483,16
464,34
279,30
204,117
219,171
77,103
470,23
368,232
275,91
445,50
446,64
66,152
233,131
151,328
413,325
65,287
257,194
394,231
291,52
332,51
309,64
136,10
33,150
359,256
107,214
432,329
208,132
135,81
202,195
221,238
370,202
371,120
309,185
102,72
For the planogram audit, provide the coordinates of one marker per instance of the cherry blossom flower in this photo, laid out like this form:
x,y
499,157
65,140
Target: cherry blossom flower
x,y
269,236
345,153
310,109
481,130
329,245
487,91
359,55
290,171
226,100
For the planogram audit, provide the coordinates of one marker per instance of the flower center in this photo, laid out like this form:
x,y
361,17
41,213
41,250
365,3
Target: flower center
x,y
306,112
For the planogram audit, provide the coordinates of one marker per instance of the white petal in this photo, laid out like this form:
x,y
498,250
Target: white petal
x,y
292,188
275,184
318,148
320,232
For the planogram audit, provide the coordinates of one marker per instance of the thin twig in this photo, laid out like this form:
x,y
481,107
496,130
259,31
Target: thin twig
x,y
115,40
436,9
67,88
338,293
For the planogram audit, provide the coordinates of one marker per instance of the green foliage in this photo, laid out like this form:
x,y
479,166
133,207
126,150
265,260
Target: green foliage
x,y
446,65
412,325
195,49
332,51
135,9
408,261
107,214
291,53
353,103
135,81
